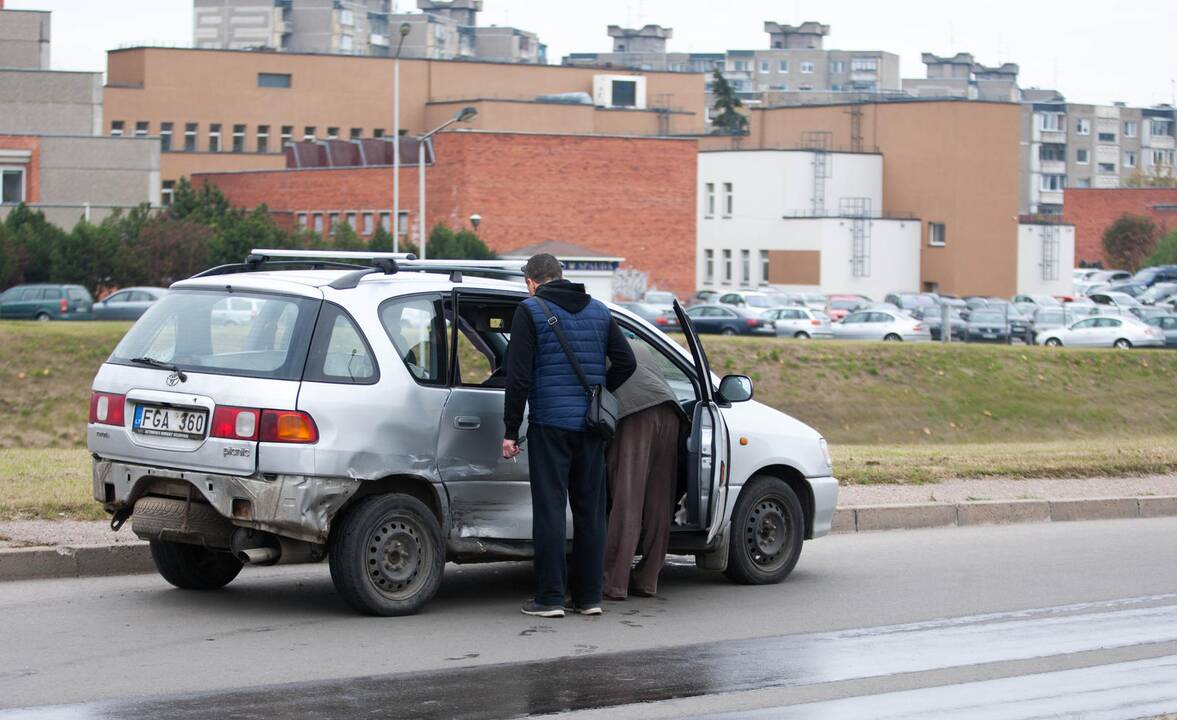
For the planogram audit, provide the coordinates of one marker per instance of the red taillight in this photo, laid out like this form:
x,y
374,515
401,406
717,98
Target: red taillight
x,y
752,322
918,328
815,323
107,408
660,320
235,423
64,305
288,426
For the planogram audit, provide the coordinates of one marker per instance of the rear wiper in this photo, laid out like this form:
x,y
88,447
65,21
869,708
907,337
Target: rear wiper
x,y
152,362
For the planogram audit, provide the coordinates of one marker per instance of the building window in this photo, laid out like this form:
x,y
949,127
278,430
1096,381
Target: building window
x,y
837,66
273,80
805,87
1130,128
189,137
369,227
386,221
936,234
378,132
214,137
1130,159
763,267
864,64
709,200
238,138
12,185
263,138
727,266
116,128
1083,182
332,220
141,128
1053,183
347,17
1161,128
1162,157
403,225
287,135
353,221
165,136
1052,153
1107,168
1081,156
168,193
1106,137
740,65
806,68
764,65
302,221
783,66
1083,126
745,267
708,267
332,133
308,133
1052,122
317,219
728,200
356,133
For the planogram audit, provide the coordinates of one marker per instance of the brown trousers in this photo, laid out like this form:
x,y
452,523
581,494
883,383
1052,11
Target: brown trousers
x,y
643,465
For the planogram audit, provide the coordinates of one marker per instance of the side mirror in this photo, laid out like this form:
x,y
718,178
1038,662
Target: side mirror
x,y
735,388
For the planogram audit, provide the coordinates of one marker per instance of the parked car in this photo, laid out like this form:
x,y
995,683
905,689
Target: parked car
x,y
933,318
339,427
1144,312
800,322
1134,289
1118,300
1037,300
752,301
1158,293
236,311
881,325
728,320
1157,274
1167,324
839,306
985,325
1102,331
46,302
128,303
1101,277
703,297
653,314
910,301
1051,318
660,299
813,301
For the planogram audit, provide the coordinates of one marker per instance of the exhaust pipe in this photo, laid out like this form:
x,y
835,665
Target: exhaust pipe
x,y
259,555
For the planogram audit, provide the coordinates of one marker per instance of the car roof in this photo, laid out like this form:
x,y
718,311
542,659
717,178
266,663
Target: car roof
x,y
311,283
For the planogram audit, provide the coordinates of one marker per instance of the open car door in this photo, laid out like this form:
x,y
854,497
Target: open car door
x,y
708,449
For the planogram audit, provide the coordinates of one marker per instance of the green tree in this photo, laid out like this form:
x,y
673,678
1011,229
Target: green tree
x,y
728,120
381,240
8,266
446,244
1166,252
1129,240
344,237
33,241
87,255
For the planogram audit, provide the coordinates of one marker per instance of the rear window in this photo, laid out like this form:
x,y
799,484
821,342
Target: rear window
x,y
202,331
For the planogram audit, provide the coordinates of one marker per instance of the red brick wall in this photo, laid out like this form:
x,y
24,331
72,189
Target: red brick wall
x,y
32,170
1092,210
627,197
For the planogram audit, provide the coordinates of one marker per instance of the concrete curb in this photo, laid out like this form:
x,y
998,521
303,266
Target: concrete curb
x,y
131,558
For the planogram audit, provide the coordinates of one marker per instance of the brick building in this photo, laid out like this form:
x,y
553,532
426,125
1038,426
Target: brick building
x,y
620,196
1092,210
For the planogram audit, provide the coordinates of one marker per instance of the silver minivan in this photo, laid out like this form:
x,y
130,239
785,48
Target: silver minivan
x,y
357,417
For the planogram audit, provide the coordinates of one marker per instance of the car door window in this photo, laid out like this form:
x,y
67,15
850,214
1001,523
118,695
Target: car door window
x,y
339,353
854,318
118,297
679,378
52,294
1109,323
1084,324
417,329
730,299
483,334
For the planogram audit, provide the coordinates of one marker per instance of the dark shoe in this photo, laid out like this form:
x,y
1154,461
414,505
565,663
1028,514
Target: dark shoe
x,y
531,607
616,598
586,610
641,593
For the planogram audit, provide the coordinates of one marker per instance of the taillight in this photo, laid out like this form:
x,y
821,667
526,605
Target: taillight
x,y
918,328
660,320
107,408
288,426
815,323
235,423
64,305
752,322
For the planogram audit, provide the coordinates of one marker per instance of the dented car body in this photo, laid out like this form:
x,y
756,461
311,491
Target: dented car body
x,y
358,416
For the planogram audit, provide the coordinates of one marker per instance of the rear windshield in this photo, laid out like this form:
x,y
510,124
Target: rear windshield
x,y
228,333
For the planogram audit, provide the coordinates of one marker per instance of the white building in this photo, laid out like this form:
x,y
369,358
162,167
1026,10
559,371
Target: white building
x,y
801,220
1046,254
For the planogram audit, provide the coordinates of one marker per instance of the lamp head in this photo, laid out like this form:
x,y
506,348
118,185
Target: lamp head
x,y
466,113
475,219
404,29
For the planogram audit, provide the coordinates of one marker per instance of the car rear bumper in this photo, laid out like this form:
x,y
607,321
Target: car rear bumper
x,y
295,506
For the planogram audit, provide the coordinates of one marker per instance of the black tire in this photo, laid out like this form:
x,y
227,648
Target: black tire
x,y
1122,344
892,337
1053,342
768,529
727,331
193,567
802,335
387,555
42,317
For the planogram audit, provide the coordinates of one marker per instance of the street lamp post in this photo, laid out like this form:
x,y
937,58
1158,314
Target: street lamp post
x,y
396,138
466,113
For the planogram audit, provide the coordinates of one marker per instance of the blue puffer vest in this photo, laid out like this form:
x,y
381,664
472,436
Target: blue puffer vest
x,y
557,398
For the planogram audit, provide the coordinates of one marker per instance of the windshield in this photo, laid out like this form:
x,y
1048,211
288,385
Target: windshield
x,y
231,333
988,317
761,301
844,304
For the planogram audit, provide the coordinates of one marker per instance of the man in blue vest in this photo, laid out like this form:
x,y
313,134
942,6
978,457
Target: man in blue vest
x,y
566,462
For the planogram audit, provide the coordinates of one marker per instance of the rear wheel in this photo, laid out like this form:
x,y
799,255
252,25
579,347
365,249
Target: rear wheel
x,y
892,337
767,532
1122,344
802,335
727,331
193,567
1053,342
43,317
387,555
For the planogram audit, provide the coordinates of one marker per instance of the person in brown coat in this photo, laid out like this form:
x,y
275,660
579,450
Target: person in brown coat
x,y
643,465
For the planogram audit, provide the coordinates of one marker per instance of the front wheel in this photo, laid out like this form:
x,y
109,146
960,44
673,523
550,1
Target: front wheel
x,y
193,567
802,335
892,337
1053,342
767,532
1122,344
387,555
727,331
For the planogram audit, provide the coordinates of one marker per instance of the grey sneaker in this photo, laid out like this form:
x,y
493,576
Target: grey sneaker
x,y
589,610
531,607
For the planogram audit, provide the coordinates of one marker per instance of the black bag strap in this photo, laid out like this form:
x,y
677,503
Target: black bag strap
x,y
554,323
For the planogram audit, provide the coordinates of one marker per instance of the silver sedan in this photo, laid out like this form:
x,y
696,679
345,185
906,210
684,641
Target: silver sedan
x,y
798,322
881,325
1120,332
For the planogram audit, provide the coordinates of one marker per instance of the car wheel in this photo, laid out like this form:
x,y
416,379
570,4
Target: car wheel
x,y
727,331
1053,342
892,337
1122,344
43,317
193,567
802,336
387,555
768,530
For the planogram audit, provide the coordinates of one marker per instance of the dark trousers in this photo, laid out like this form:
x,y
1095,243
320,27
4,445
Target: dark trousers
x,y
567,468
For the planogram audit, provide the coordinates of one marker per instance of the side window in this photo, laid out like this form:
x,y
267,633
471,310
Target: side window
x,y
417,331
31,294
1084,324
730,299
484,331
119,297
647,353
339,353
854,318
52,294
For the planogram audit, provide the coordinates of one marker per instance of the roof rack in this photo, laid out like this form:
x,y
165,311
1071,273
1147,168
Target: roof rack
x,y
494,269
263,259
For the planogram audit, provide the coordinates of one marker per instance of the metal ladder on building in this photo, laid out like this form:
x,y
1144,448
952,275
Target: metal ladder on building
x,y
819,142
1050,252
858,211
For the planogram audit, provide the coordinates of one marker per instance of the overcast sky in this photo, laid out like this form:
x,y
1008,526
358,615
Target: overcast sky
x,y
1094,52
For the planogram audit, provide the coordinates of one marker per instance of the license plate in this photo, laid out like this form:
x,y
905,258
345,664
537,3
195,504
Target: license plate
x,y
161,421
989,336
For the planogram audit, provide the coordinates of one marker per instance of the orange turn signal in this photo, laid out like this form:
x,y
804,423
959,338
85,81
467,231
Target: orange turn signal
x,y
288,426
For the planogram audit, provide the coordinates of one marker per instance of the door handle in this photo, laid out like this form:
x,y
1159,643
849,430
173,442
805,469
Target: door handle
x,y
467,422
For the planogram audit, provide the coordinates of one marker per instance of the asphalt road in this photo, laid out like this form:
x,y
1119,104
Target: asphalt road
x,y
993,622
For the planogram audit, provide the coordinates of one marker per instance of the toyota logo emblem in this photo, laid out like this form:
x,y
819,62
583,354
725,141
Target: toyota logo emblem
x,y
173,379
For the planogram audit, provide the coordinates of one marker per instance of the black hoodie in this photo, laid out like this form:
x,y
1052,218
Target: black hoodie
x,y
521,351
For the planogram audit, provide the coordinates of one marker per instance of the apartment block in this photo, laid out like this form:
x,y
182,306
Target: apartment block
x,y
24,39
959,76
644,48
